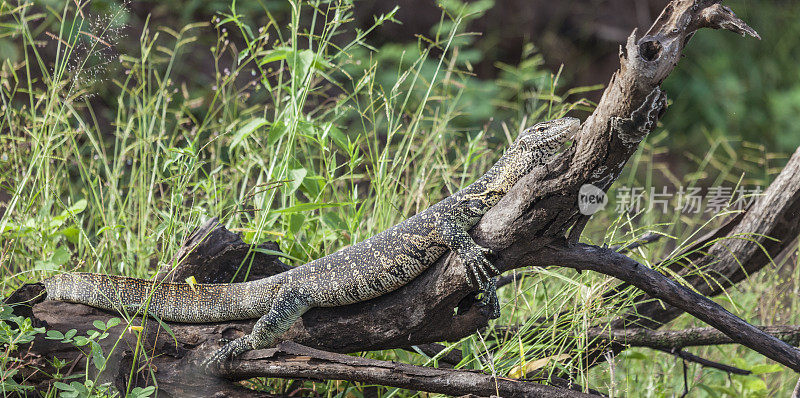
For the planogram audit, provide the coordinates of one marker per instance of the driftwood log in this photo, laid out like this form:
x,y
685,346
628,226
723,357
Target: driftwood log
x,y
537,223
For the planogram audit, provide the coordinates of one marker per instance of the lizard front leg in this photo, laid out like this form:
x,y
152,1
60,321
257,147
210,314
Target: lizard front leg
x,y
473,256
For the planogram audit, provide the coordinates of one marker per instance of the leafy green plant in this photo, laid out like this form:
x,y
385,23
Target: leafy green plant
x,y
14,332
89,345
95,352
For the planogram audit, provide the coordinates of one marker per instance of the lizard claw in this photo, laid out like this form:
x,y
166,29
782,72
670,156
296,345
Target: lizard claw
x,y
479,268
470,274
486,263
486,268
489,300
488,252
482,273
211,365
482,270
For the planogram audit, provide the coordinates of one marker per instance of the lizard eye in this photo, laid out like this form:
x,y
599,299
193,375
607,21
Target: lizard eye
x,y
541,129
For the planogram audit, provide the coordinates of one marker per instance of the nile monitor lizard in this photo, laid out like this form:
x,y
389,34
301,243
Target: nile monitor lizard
x,y
353,274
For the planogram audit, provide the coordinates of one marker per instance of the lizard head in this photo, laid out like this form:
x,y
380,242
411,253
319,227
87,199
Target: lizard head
x,y
546,138
535,146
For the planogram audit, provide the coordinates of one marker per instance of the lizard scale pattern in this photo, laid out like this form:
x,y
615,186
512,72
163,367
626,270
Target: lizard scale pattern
x,y
353,274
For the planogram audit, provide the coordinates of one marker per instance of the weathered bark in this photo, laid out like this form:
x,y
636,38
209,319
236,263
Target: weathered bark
x,y
692,337
213,254
537,213
291,360
662,340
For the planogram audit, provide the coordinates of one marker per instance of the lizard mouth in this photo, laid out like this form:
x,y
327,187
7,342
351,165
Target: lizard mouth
x,y
561,130
564,128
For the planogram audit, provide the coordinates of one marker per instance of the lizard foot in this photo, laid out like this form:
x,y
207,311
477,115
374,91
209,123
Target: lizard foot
x,y
480,274
212,364
480,270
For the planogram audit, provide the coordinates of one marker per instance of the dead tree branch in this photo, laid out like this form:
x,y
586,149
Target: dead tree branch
x,y
692,337
662,340
291,360
689,357
598,259
645,239
742,246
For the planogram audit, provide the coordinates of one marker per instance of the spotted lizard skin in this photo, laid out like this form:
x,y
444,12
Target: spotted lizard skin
x,y
353,274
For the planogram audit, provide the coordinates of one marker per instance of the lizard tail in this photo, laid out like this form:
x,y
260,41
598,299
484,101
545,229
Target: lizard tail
x,y
176,302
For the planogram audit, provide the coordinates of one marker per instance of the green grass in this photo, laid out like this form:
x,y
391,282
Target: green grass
x,y
319,141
